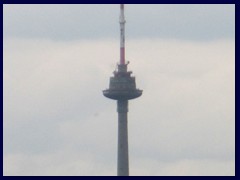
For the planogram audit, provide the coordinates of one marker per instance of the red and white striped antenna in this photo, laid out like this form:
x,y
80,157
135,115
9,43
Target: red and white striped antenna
x,y
122,35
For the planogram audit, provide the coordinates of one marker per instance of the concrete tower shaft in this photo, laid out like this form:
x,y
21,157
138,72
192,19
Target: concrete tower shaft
x,y
123,162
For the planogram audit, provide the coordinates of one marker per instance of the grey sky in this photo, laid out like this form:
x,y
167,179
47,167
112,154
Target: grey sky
x,y
75,22
56,120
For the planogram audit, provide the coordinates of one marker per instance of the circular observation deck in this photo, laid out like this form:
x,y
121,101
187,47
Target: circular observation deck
x,y
122,94
122,86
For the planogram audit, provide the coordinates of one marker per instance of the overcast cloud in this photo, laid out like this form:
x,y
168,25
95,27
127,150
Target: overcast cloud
x,y
58,59
76,22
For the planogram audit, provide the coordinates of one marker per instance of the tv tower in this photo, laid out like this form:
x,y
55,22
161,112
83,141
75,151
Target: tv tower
x,y
122,88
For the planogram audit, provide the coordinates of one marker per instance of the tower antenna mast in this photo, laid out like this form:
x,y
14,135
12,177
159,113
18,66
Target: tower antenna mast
x,y
122,22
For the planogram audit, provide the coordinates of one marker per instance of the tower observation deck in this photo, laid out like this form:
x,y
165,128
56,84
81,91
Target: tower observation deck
x,y
122,87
